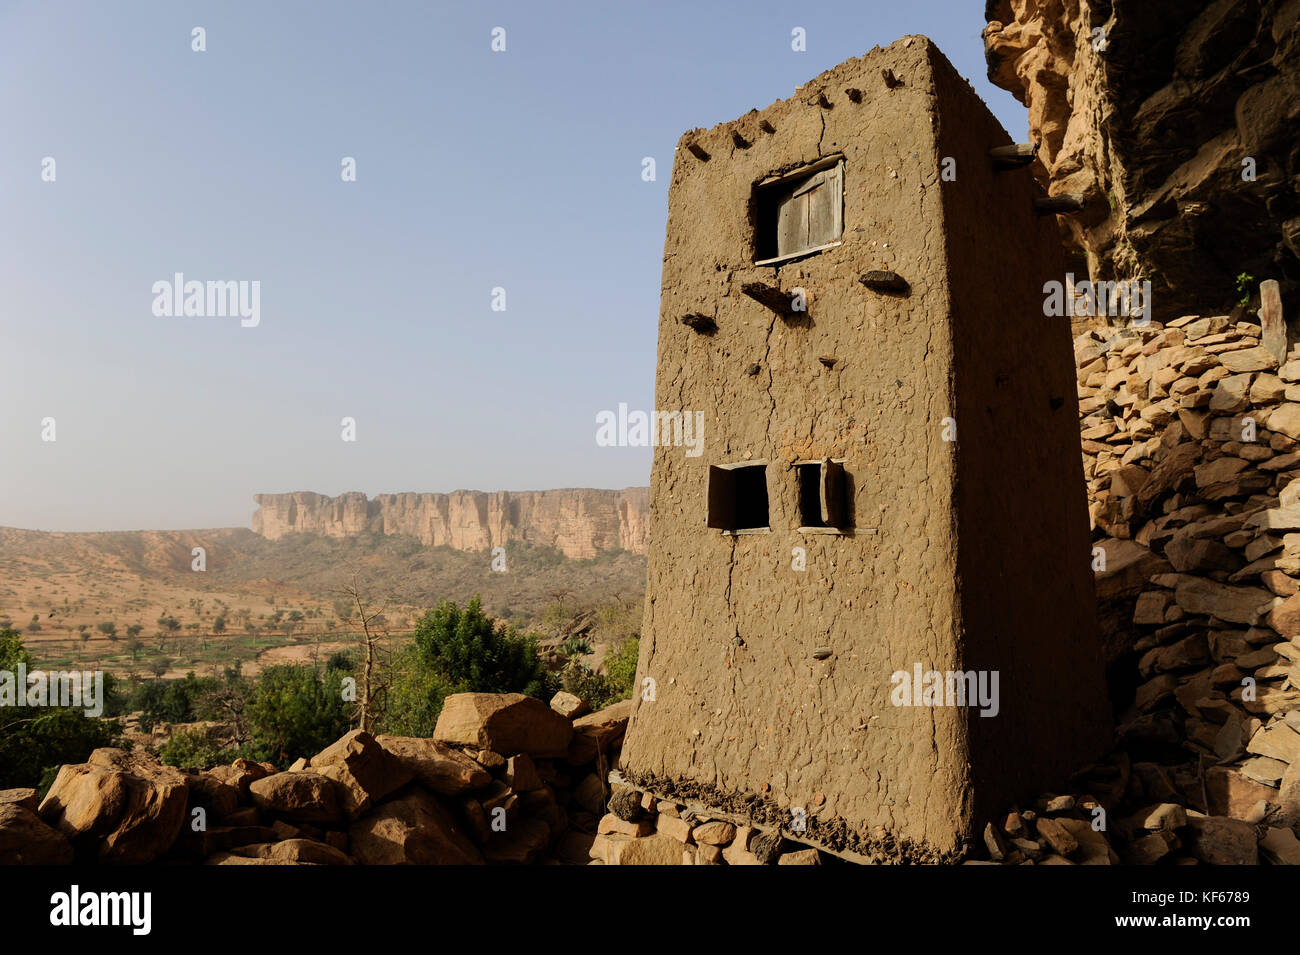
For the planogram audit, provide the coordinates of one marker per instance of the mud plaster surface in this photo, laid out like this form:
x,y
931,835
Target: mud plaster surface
x,y
742,706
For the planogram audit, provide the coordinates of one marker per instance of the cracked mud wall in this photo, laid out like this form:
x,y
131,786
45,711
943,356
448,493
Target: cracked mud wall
x,y
751,714
1022,514
743,710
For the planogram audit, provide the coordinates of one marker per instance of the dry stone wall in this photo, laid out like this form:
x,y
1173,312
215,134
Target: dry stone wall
x,y
1191,447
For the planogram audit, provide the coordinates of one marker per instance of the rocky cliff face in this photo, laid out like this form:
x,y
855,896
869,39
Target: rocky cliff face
x,y
580,522
1150,109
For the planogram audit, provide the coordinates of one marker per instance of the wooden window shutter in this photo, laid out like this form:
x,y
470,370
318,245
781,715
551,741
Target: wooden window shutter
x,y
832,494
792,225
722,498
813,214
826,207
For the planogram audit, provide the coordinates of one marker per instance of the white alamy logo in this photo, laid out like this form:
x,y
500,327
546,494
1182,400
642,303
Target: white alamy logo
x,y
79,688
74,907
193,299
946,688
1128,297
640,429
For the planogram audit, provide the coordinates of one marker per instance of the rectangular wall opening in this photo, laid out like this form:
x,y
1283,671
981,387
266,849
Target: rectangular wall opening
x,y
823,495
810,495
738,498
799,213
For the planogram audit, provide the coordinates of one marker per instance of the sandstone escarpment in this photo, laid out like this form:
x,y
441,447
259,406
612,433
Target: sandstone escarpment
x,y
579,522
1176,124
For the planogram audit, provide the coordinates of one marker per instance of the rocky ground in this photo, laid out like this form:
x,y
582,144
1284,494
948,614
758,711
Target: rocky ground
x,y
505,780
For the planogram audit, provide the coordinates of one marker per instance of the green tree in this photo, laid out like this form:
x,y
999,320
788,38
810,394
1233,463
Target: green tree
x,y
109,629
170,701
602,689
296,712
415,696
620,667
193,749
35,742
471,654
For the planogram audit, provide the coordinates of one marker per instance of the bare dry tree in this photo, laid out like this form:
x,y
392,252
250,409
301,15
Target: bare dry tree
x,y
373,627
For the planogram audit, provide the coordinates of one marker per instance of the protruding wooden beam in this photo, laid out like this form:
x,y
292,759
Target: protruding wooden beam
x,y
704,324
884,281
1014,156
698,151
1063,204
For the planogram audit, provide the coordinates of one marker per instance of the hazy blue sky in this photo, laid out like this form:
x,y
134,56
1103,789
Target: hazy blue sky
x,y
475,169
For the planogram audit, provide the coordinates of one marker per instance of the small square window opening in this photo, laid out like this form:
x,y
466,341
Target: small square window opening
x,y
738,498
823,495
799,213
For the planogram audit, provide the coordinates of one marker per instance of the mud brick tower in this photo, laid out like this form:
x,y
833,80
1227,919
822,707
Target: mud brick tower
x,y
853,296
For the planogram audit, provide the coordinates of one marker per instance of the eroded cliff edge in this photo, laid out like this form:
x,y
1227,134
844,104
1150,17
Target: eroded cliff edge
x,y
579,522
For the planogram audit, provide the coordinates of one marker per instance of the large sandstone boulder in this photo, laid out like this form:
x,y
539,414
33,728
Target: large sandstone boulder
x,y
1217,840
364,770
412,829
436,765
521,844
299,797
295,852
26,797
628,850
505,723
240,774
122,808
598,732
25,840
216,798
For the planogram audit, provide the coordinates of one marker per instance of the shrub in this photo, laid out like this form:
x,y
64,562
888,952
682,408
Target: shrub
x,y
415,696
603,689
469,654
620,666
194,749
294,711
35,742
